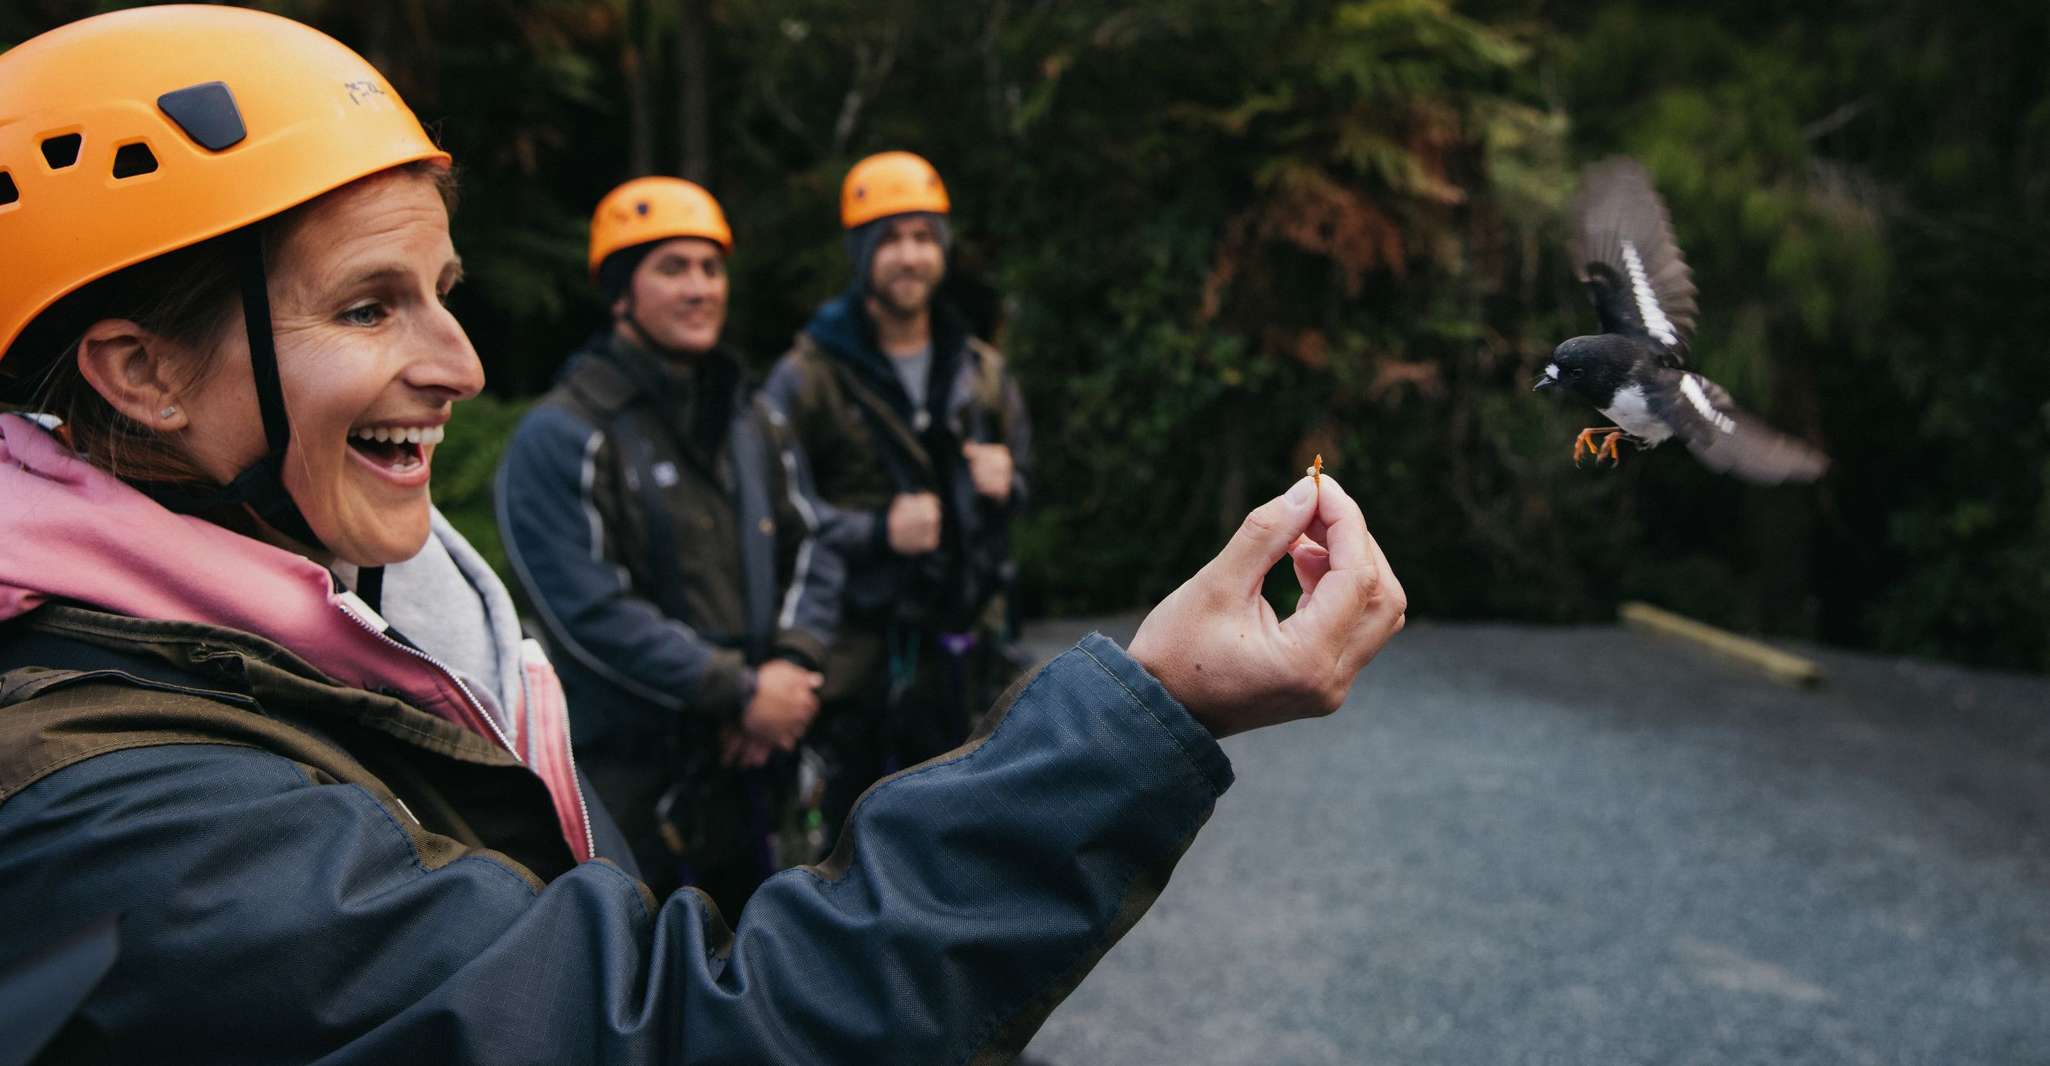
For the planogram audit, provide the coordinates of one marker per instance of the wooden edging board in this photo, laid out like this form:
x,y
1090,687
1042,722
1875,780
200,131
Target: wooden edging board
x,y
1780,666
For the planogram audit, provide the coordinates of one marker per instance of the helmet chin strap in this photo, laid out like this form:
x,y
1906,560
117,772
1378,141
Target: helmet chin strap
x,y
633,325
261,488
647,340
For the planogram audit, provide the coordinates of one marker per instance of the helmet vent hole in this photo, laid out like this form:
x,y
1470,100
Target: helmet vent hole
x,y
132,160
8,193
61,152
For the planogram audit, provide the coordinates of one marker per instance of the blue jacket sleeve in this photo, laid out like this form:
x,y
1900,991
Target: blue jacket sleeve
x,y
269,917
554,533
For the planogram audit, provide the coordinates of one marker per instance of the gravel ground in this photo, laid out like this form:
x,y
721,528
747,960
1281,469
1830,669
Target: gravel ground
x,y
1587,845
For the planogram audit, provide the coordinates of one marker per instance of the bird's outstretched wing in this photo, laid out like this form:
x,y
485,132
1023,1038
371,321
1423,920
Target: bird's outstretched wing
x,y
1624,251
1725,438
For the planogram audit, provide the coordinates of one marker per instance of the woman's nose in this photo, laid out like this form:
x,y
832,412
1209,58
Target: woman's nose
x,y
448,361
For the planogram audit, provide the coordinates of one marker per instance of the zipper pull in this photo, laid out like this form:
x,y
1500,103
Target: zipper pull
x,y
362,611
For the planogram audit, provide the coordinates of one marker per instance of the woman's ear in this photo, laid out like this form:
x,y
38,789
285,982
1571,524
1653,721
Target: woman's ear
x,y
132,369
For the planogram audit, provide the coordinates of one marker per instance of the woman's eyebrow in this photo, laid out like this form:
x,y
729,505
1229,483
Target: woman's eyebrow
x,y
387,273
375,273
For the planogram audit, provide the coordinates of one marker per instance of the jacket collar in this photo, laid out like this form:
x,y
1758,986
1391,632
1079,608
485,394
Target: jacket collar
x,y
238,667
695,404
843,329
76,533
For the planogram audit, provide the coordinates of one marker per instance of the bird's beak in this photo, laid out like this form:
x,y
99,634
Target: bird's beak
x,y
1548,379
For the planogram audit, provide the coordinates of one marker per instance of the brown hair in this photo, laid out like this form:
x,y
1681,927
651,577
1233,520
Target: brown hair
x,y
191,296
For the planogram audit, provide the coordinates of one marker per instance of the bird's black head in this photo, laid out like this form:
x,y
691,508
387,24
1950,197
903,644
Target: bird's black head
x,y
1591,368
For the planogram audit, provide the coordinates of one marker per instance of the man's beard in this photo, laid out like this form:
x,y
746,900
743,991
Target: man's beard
x,y
896,309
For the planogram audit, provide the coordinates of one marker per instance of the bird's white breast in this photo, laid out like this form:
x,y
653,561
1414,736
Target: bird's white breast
x,y
1629,410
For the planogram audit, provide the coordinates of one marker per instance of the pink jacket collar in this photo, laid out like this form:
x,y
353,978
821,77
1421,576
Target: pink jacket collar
x,y
69,530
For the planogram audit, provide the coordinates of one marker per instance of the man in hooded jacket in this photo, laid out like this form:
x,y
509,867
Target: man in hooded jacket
x,y
921,448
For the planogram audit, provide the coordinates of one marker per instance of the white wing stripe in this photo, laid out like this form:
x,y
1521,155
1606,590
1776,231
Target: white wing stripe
x,y
1648,308
1690,387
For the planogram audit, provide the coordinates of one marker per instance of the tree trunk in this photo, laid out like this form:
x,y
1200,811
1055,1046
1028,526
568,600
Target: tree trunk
x,y
993,70
694,115
1780,524
634,63
871,70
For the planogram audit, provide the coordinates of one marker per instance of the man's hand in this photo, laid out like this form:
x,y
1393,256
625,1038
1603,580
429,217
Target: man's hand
x,y
736,748
914,523
785,701
1217,646
989,466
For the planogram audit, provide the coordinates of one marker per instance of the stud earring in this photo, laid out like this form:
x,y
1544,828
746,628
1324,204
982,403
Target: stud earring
x,y
168,412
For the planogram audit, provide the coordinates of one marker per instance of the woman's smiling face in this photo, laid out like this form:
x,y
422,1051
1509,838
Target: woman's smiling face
x,y
370,360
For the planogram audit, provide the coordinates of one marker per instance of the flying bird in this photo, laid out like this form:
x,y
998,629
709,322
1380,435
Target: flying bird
x,y
1635,370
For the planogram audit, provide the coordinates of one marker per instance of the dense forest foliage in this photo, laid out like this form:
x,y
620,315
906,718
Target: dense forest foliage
x,y
1216,236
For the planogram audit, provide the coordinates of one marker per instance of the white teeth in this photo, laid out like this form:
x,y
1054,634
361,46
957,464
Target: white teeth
x,y
400,435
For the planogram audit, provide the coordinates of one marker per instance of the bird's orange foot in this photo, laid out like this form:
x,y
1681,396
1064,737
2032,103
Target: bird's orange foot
x,y
1608,449
1585,442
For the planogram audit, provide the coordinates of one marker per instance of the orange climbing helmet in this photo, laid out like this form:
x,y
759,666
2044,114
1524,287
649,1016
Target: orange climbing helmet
x,y
890,183
129,135
654,209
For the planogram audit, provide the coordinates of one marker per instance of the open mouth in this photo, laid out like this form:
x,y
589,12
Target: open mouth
x,y
399,449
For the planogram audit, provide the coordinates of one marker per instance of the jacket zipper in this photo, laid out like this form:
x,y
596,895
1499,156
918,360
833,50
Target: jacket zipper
x,y
569,749
590,844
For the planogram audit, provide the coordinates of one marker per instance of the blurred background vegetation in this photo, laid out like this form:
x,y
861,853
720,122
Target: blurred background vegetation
x,y
1216,236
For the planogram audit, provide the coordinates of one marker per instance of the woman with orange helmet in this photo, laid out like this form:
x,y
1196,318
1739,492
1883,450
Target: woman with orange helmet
x,y
688,686
314,828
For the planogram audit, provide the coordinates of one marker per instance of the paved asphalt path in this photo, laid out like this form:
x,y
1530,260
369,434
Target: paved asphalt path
x,y
1586,846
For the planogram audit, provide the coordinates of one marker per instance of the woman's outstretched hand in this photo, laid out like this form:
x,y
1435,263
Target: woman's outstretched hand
x,y
1217,645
